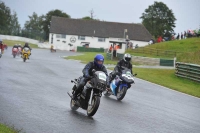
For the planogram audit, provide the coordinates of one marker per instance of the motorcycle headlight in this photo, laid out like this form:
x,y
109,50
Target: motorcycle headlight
x,y
101,86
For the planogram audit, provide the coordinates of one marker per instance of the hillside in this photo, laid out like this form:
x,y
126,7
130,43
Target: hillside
x,y
187,50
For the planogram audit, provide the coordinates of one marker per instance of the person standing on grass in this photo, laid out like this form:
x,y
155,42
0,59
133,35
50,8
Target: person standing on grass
x,y
184,34
178,36
181,35
110,49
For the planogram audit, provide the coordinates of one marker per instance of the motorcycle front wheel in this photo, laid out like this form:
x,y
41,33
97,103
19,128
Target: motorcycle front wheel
x,y
93,107
121,93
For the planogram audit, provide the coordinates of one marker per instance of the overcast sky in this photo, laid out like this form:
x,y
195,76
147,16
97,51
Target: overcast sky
x,y
187,12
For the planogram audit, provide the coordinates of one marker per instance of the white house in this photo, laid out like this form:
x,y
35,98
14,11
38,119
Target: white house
x,y
67,34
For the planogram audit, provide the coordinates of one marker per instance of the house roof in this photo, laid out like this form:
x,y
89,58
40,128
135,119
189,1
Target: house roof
x,y
60,25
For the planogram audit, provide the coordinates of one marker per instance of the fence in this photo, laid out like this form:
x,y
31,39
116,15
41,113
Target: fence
x,y
189,71
120,56
156,52
84,49
109,56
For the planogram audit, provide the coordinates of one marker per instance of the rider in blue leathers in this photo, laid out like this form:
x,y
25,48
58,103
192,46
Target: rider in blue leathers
x,y
97,64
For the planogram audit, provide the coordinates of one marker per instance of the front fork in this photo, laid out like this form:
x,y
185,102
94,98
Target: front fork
x,y
91,96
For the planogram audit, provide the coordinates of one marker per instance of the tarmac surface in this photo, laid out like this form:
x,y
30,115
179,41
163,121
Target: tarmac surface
x,y
33,97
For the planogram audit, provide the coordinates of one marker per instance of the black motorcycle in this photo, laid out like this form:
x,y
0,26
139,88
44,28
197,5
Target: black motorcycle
x,y
89,98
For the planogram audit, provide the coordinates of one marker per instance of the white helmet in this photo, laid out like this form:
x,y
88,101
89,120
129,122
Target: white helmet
x,y
127,57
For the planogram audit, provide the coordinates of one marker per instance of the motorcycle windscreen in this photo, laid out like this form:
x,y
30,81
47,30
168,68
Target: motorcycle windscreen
x,y
100,80
26,49
127,76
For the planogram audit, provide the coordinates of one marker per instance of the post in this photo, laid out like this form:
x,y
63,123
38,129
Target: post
x,y
174,62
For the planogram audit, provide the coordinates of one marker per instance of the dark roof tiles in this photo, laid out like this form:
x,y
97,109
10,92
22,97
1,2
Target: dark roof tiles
x,y
68,26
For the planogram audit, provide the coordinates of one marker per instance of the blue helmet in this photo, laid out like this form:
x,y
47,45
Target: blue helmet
x,y
97,58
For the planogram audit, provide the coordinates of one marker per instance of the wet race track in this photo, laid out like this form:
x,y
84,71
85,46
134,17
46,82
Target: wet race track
x,y
33,97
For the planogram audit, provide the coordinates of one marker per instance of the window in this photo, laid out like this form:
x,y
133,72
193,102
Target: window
x,y
101,39
60,36
81,37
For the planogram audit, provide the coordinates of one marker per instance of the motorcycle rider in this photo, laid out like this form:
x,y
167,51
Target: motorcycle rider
x,y
19,46
15,46
1,47
97,64
26,45
125,62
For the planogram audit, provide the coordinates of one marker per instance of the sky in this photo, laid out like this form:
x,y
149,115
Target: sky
x,y
187,12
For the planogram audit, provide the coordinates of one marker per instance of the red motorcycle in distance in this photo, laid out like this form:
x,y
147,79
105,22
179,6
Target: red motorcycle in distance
x,y
14,52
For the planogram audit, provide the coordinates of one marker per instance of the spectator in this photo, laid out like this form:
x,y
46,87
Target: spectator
x,y
178,36
172,37
181,35
114,50
150,42
184,34
159,39
131,45
111,48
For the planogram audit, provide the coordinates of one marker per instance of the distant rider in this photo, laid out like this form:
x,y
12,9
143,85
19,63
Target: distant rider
x,y
1,47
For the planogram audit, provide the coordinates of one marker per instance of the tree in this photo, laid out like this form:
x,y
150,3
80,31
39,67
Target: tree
x,y
14,24
47,19
34,22
5,16
33,27
158,19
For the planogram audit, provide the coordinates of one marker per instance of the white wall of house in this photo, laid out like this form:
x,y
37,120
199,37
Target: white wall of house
x,y
62,42
140,43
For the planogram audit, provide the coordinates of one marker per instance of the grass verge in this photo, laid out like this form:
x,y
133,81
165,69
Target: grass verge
x,y
6,129
167,78
12,43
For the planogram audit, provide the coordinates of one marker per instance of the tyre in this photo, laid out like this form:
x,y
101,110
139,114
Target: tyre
x,y
121,94
106,93
24,59
92,109
14,56
73,106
